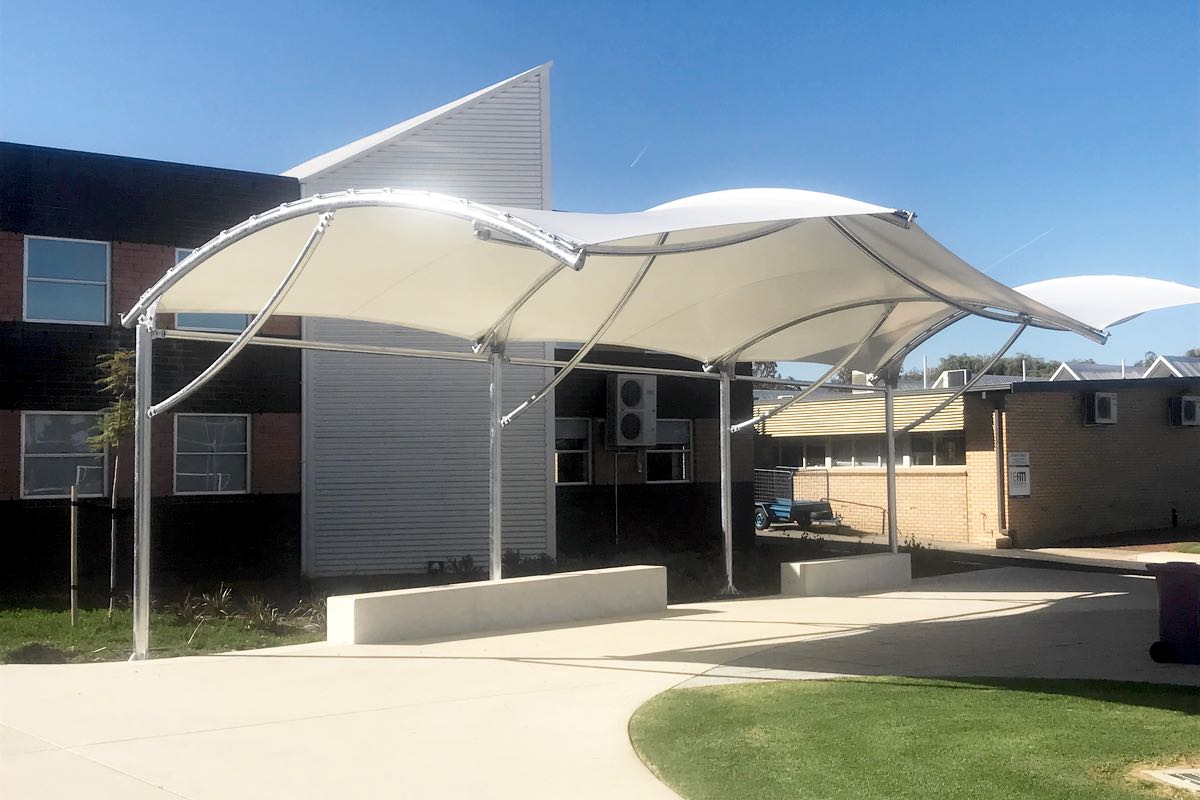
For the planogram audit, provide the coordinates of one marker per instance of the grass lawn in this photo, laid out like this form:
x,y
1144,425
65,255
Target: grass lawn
x,y
899,738
1188,547
96,638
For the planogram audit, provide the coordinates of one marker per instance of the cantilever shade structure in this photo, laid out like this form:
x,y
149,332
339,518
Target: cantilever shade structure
x,y
743,275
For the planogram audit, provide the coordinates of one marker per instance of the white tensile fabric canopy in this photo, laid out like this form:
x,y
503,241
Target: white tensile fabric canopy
x,y
1103,301
745,275
732,274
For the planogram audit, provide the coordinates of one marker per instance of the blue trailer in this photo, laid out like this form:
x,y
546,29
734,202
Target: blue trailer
x,y
775,501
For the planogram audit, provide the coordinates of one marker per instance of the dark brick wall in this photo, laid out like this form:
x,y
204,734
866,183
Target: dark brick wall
x,y
145,209
48,367
12,274
197,541
50,192
676,516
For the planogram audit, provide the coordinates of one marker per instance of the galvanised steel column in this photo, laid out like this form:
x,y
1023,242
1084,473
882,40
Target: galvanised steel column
x,y
727,478
495,504
141,486
889,422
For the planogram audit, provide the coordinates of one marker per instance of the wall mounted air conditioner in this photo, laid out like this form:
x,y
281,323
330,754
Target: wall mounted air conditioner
x,y
1185,410
1099,408
632,410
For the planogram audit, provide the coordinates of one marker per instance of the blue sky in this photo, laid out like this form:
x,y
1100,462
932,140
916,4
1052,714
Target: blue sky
x,y
1035,139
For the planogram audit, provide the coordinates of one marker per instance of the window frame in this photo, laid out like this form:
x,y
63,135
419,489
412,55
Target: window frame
x,y
107,283
104,487
589,453
175,456
187,251
689,452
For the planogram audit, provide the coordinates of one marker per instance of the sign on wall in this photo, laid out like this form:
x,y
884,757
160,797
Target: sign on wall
x,y
1018,459
1018,481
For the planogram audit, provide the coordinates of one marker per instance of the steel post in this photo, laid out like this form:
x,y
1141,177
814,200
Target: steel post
x,y
889,421
495,493
727,478
143,354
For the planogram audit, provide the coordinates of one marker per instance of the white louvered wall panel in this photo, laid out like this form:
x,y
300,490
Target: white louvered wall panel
x,y
490,152
396,450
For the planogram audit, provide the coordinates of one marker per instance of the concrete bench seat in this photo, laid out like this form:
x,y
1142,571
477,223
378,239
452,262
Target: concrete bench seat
x,y
438,611
851,575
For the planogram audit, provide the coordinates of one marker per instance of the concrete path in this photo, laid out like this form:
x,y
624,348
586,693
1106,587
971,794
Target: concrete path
x,y
1117,558
532,713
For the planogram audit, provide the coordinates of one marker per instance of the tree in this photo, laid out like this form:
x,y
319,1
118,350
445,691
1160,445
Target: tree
x,y
1193,353
116,422
765,369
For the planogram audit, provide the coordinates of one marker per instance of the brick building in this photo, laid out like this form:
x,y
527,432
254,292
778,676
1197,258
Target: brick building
x,y
1062,470
81,236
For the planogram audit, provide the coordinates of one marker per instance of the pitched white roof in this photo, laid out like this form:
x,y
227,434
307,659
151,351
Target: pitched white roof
x,y
1179,366
767,274
327,161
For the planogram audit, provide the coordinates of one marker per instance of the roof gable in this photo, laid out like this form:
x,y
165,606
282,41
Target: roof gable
x,y
331,160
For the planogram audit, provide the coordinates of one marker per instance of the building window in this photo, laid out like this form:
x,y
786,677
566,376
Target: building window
x,y
572,451
223,323
951,449
814,454
922,450
212,453
937,449
870,451
66,280
55,455
843,451
670,460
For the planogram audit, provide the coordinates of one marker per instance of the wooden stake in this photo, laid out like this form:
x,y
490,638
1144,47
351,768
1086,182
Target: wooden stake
x,y
112,540
74,555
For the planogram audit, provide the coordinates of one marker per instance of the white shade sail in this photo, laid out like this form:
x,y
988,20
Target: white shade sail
x,y
732,274
1103,301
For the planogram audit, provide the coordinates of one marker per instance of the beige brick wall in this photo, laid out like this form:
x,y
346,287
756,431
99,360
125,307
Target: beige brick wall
x,y
1089,480
955,504
931,502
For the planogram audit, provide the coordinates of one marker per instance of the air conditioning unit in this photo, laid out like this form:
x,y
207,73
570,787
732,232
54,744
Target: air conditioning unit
x,y
952,379
1185,410
632,410
1099,408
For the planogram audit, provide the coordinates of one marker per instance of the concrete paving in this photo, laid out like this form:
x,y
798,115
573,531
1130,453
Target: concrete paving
x,y
1117,558
535,713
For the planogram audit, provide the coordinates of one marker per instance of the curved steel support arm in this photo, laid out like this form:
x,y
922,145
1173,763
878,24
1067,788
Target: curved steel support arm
x,y
896,360
259,320
490,337
1025,319
967,386
565,252
843,361
661,249
587,346
735,353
